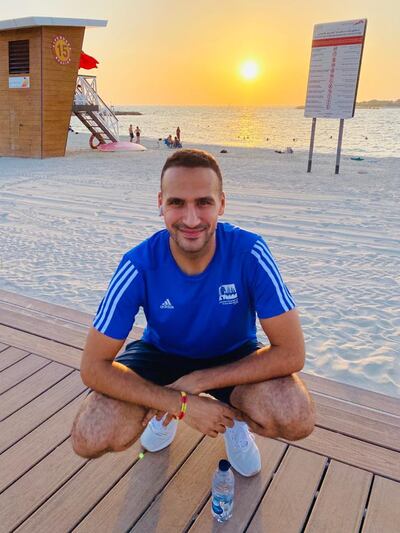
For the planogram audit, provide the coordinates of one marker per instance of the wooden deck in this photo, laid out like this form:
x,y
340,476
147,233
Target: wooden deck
x,y
345,477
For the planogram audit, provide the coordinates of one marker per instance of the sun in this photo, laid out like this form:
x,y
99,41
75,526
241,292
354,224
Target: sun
x,y
249,70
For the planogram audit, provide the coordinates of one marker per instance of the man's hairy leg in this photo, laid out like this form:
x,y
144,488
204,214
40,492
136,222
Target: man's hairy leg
x,y
104,424
280,407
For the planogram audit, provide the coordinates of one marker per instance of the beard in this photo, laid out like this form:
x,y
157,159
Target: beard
x,y
196,245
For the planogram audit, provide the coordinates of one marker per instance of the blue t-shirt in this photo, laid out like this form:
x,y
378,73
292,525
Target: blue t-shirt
x,y
199,316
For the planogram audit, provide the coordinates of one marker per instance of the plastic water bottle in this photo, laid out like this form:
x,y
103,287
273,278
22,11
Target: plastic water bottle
x,y
223,488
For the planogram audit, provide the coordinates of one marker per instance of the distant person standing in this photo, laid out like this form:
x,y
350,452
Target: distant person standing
x,y
178,134
137,133
131,133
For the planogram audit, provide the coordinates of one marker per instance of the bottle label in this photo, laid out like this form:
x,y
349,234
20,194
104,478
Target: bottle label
x,y
222,505
216,506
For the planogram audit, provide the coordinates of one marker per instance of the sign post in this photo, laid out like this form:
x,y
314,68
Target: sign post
x,y
339,145
334,74
310,153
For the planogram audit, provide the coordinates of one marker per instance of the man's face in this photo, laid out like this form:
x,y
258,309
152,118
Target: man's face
x,y
192,201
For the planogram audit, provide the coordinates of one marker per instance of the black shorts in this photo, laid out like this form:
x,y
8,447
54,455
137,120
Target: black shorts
x,y
163,368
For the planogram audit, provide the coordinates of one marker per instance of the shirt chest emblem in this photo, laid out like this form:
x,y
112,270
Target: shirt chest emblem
x,y
228,294
167,304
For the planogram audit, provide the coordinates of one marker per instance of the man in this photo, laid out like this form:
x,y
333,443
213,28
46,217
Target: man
x,y
201,284
138,131
130,133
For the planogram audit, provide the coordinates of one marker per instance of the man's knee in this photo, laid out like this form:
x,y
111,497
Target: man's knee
x,y
83,444
299,423
90,436
104,425
281,407
86,445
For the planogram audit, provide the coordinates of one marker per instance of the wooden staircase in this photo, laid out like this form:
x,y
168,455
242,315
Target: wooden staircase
x,y
93,112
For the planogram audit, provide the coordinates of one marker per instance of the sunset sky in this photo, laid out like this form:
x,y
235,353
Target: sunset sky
x,y
183,52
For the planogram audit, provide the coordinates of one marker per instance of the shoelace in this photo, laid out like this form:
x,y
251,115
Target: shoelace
x,y
240,435
158,428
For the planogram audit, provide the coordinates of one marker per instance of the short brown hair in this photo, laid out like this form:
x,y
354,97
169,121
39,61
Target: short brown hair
x,y
191,159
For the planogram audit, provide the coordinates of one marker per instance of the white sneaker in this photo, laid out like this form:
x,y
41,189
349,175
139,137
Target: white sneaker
x,y
242,450
156,437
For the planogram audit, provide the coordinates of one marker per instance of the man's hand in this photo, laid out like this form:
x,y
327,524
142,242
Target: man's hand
x,y
186,383
158,414
209,416
205,414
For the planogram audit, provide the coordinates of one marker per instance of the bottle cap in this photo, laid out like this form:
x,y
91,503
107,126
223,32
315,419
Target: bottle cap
x,y
224,465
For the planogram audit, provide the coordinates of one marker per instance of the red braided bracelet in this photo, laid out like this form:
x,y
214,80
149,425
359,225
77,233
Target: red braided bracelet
x,y
183,405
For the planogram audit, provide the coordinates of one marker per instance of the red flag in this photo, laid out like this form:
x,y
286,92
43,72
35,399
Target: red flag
x,y
87,62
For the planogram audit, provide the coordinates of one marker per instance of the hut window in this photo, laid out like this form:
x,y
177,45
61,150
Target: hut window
x,y
18,57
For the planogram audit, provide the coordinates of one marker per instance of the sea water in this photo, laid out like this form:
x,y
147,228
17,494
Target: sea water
x,y
371,132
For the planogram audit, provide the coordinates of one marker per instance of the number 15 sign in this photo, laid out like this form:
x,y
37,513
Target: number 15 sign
x,y
62,50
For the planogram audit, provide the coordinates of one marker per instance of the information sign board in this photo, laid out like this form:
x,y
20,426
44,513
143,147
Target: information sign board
x,y
334,69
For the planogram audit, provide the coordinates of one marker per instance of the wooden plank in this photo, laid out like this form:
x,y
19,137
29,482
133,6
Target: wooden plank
x,y
24,496
31,387
288,499
36,412
3,346
10,356
54,310
248,492
341,500
188,490
137,486
20,370
353,452
42,328
75,326
353,394
383,513
52,350
360,427
355,409
15,461
70,504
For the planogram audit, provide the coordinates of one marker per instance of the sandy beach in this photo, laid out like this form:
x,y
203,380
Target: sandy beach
x,y
65,222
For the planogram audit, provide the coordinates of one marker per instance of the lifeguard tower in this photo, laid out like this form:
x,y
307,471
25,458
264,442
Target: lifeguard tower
x,y
39,62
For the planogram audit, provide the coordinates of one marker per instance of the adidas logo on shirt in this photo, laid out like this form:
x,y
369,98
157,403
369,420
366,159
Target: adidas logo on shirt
x,y
167,304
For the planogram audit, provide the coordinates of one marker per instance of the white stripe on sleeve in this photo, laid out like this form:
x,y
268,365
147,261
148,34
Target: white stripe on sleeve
x,y
114,279
270,260
117,299
272,278
110,294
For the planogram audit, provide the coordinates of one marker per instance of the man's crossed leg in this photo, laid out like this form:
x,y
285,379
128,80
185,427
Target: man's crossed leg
x,y
280,407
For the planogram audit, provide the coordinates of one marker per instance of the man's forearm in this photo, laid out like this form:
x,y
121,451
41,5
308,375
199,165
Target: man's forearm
x,y
119,382
266,363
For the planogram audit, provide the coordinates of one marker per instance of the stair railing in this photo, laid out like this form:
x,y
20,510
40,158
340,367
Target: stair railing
x,y
86,92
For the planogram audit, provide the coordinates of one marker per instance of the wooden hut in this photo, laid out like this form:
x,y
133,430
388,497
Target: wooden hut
x,y
39,62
